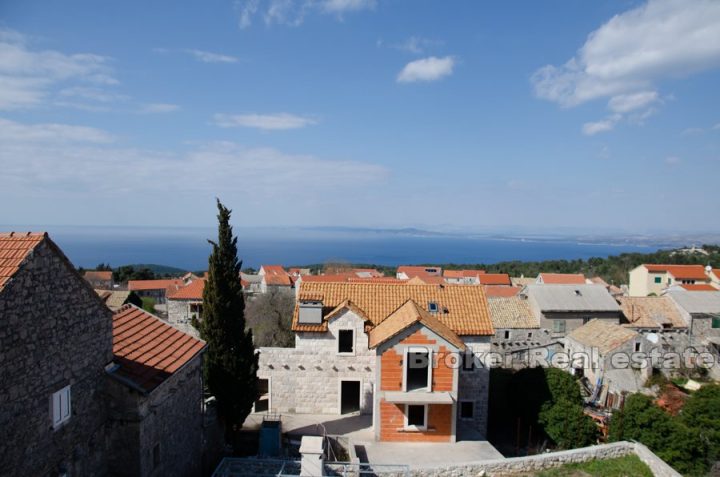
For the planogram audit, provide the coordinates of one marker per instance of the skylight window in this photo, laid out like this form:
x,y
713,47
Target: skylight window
x,y
433,307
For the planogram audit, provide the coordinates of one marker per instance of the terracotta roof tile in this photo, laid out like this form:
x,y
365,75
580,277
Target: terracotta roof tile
x,y
511,312
98,275
147,349
413,271
14,249
169,285
494,279
603,335
462,273
492,291
466,305
191,291
276,275
562,278
680,272
699,287
408,314
716,272
650,312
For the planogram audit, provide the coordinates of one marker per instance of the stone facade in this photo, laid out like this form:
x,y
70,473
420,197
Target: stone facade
x,y
159,433
474,385
573,321
306,379
54,332
180,314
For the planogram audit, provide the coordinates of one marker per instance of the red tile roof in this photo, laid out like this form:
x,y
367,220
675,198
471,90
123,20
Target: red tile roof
x,y
680,272
494,279
414,271
493,291
462,273
563,278
716,272
14,248
276,275
148,350
699,287
169,285
191,291
98,275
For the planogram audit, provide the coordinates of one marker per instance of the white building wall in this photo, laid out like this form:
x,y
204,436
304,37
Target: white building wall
x,y
306,379
180,317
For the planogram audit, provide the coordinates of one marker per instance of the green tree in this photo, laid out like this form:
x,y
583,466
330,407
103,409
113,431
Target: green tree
x,y
562,414
641,420
269,315
230,360
701,414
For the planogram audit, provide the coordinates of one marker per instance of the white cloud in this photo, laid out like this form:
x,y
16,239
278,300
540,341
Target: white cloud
x,y
14,132
627,54
590,129
275,121
625,103
427,69
29,76
62,160
293,12
210,57
159,108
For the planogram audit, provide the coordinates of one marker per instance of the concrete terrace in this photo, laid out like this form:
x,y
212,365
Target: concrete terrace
x,y
358,428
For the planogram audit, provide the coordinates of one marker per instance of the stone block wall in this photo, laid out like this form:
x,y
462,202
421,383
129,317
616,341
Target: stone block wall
x,y
306,379
54,332
474,386
170,419
179,316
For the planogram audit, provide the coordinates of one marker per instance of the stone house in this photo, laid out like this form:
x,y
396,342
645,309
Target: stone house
x,y
101,279
592,350
158,290
701,311
657,318
155,419
55,341
251,283
354,343
274,277
517,330
84,393
115,299
462,277
185,305
562,308
652,279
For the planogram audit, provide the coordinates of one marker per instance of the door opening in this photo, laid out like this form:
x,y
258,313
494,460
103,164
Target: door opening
x,y
349,396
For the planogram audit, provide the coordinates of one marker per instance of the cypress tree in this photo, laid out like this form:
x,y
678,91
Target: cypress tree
x,y
230,359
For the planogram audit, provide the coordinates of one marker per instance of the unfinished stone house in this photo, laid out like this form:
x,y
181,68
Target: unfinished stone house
x,y
517,331
400,352
602,352
155,421
78,398
657,318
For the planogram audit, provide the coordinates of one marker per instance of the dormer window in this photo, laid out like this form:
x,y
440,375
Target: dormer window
x,y
310,312
433,307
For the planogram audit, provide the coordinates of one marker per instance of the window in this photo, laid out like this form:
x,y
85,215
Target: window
x,y
61,407
529,334
558,326
346,341
586,319
416,417
637,347
467,409
507,334
716,322
156,456
658,280
468,361
417,369
432,307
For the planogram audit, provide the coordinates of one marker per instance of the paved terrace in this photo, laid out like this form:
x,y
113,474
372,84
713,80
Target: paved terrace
x,y
359,429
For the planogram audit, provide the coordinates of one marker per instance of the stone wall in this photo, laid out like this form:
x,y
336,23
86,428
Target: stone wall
x,y
169,418
54,332
474,386
574,321
306,379
179,315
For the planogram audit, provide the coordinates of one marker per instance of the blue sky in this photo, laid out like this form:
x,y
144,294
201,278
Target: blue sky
x,y
477,115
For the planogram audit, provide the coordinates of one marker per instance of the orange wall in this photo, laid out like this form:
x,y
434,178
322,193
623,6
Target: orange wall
x,y
392,421
392,416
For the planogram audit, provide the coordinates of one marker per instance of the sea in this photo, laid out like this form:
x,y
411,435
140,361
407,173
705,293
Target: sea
x,y
188,248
